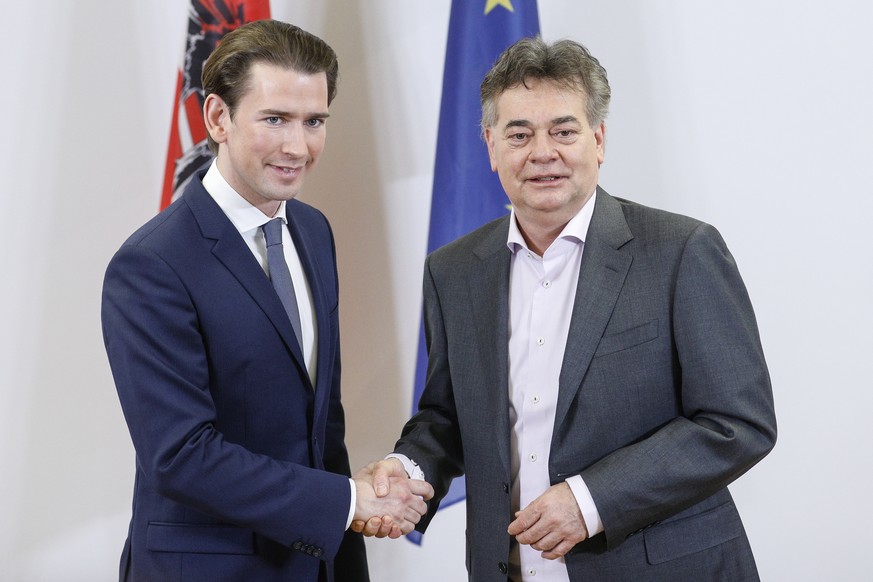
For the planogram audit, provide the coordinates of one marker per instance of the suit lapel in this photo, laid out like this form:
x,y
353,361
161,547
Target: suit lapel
x,y
601,277
309,261
231,250
490,315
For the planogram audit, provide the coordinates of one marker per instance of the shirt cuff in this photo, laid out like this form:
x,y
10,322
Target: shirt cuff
x,y
586,505
354,501
413,471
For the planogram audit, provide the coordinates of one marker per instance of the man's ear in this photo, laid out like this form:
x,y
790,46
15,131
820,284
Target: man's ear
x,y
216,115
600,142
489,141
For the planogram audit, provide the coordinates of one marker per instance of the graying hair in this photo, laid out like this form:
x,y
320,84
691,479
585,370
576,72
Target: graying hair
x,y
565,62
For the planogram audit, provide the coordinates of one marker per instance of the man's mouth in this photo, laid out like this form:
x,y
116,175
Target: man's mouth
x,y
286,170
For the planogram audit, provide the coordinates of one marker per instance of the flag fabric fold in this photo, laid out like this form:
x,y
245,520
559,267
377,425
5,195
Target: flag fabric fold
x,y
208,21
466,194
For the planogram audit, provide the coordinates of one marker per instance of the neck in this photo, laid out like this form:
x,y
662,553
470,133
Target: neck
x,y
271,208
539,236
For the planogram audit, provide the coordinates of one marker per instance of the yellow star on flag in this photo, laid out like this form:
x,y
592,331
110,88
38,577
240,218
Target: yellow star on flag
x,y
492,4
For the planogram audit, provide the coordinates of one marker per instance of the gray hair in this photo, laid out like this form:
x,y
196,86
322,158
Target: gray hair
x,y
565,62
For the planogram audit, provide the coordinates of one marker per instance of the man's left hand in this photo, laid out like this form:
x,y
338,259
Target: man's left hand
x,y
552,523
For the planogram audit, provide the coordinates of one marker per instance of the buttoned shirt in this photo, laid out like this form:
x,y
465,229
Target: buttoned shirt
x,y
542,291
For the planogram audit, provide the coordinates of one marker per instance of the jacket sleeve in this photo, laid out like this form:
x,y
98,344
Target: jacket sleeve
x,y
727,421
159,361
432,437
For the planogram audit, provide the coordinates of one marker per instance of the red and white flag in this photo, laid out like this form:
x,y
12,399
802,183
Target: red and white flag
x,y
208,21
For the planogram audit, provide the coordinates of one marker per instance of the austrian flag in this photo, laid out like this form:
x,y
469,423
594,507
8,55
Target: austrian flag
x,y
208,22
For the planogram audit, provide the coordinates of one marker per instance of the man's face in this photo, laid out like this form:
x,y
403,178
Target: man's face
x,y
275,137
545,152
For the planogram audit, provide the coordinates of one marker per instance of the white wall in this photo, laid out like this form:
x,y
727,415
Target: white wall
x,y
752,115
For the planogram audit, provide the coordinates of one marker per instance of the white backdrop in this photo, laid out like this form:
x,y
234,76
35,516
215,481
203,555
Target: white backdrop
x,y
755,116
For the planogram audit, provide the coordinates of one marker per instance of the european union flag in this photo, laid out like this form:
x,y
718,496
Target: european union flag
x,y
466,194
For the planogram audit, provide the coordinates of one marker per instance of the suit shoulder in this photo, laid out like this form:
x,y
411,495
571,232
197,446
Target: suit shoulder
x,y
656,226
158,229
656,218
175,235
662,234
487,239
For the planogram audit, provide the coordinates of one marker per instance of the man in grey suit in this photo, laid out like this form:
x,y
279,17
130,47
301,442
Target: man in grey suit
x,y
594,365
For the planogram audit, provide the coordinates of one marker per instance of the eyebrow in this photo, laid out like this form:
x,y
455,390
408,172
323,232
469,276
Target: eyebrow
x,y
565,119
517,123
278,113
525,123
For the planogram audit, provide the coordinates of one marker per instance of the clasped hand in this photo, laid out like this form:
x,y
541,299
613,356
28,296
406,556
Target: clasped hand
x,y
389,504
552,523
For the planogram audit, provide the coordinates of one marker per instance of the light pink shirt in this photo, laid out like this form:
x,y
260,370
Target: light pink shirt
x,y
542,291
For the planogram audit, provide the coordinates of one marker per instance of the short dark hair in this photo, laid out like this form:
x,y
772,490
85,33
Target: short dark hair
x,y
226,71
565,62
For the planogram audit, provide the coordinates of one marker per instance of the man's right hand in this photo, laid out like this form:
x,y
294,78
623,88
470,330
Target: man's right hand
x,y
389,504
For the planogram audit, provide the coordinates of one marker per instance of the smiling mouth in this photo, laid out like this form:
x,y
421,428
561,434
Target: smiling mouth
x,y
286,170
545,179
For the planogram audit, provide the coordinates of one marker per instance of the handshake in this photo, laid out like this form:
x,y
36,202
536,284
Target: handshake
x,y
389,503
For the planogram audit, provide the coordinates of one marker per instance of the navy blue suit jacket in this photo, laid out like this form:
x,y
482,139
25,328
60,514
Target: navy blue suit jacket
x,y
241,469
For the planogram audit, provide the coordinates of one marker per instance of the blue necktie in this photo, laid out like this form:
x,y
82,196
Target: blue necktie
x,y
279,274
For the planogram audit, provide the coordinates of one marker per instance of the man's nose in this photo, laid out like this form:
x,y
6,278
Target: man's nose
x,y
542,148
293,140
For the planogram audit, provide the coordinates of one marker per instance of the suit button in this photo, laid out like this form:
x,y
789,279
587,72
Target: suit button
x,y
506,487
297,545
502,567
317,553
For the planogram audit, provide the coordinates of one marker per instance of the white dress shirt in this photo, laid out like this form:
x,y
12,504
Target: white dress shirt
x,y
542,291
248,220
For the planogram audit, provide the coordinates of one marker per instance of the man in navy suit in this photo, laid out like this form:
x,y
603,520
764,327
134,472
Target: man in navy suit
x,y
594,365
241,469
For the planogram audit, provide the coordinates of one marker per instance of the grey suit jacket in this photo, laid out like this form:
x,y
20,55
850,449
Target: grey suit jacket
x,y
664,396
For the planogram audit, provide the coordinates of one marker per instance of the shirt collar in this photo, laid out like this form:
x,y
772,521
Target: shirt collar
x,y
575,231
241,213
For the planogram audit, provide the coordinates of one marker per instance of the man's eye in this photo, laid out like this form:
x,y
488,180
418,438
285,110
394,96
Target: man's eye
x,y
274,120
315,122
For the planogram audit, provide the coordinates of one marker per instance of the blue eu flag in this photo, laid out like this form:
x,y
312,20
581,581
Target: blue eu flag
x,y
466,194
